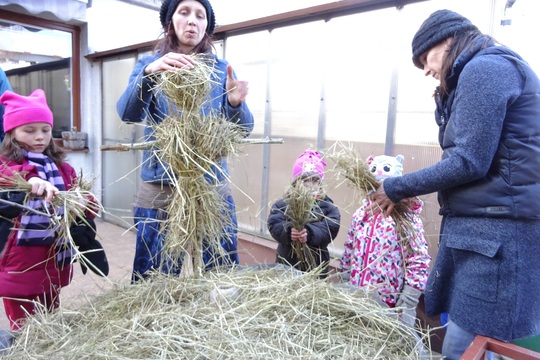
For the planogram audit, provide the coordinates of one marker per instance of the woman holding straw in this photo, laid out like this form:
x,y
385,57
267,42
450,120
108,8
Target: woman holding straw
x,y
486,274
35,260
188,26
305,220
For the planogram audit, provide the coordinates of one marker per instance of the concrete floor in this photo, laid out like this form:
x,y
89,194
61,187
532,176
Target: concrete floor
x,y
119,245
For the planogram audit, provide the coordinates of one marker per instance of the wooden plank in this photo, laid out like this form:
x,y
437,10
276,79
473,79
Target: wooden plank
x,y
481,344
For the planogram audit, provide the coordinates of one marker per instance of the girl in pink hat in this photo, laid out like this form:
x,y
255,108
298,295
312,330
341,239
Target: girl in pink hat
x,y
323,225
34,263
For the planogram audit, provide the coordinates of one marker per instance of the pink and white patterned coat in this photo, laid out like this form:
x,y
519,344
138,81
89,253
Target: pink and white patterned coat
x,y
379,259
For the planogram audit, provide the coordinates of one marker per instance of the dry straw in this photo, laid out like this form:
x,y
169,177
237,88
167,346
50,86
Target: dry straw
x,y
188,88
245,313
65,209
352,167
301,203
191,145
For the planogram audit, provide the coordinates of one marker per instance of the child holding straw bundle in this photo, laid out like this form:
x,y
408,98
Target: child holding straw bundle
x,y
381,256
305,220
35,262
188,26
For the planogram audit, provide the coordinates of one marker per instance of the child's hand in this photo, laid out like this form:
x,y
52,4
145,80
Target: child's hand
x,y
82,201
300,236
44,188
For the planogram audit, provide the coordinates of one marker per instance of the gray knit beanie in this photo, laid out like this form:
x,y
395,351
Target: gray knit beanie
x,y
169,6
438,27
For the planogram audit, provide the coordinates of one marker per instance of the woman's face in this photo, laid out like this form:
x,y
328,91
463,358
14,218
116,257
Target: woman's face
x,y
189,22
434,58
34,137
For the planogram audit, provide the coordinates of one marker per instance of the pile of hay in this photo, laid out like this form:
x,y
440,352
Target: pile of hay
x,y
242,313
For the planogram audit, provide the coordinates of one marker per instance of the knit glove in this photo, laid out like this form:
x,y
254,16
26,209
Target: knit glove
x,y
93,256
8,210
6,339
344,275
408,300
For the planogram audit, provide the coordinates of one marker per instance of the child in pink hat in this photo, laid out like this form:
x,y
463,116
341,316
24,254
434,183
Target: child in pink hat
x,y
323,226
34,263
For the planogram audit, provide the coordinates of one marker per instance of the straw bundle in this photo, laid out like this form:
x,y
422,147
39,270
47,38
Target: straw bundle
x,y
76,203
187,88
197,219
192,144
353,168
249,313
300,204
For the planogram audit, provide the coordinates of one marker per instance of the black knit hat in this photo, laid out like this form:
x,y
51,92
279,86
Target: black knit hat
x,y
438,27
169,6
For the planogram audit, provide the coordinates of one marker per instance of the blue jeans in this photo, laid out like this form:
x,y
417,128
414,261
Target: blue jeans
x,y
456,341
150,239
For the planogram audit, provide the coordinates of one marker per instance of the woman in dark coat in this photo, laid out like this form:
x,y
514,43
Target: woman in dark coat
x,y
486,274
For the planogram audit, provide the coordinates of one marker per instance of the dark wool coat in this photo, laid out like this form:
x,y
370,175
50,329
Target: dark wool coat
x,y
487,272
321,231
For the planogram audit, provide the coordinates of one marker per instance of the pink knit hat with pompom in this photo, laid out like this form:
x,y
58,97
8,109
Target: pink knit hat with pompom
x,y
21,110
309,163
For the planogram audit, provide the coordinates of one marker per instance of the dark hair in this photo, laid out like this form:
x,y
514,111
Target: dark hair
x,y
13,150
460,42
169,42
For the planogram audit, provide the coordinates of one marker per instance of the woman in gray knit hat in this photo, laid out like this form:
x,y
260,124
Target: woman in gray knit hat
x,y
188,26
486,275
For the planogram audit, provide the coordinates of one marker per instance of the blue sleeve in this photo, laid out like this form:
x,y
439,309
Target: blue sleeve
x,y
478,114
4,85
133,105
240,115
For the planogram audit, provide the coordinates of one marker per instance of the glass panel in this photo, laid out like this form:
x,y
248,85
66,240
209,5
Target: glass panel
x,y
357,84
120,169
35,57
251,66
295,98
357,89
227,14
521,21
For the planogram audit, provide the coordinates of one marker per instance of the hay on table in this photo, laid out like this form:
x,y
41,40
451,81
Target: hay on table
x,y
243,313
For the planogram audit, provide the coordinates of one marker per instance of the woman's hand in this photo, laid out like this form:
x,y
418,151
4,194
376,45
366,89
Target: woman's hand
x,y
381,202
170,61
44,188
236,90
